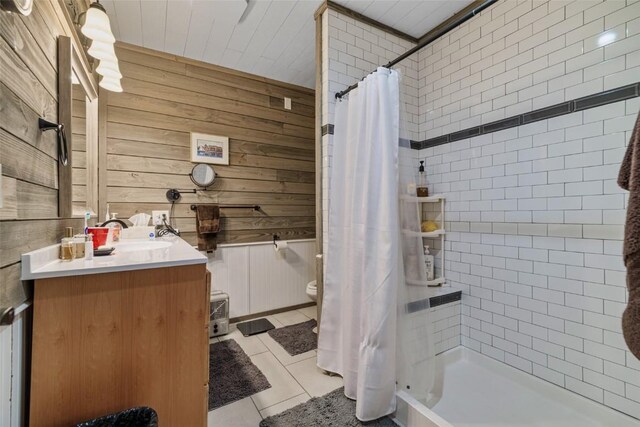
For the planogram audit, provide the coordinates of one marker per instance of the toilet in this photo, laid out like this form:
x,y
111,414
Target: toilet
x,y
312,290
312,293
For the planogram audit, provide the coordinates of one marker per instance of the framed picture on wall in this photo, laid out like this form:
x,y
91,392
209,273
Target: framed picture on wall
x,y
209,149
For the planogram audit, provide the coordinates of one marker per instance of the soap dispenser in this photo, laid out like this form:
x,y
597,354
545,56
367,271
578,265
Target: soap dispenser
x,y
421,185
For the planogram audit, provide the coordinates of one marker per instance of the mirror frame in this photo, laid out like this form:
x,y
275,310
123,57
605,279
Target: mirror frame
x,y
194,180
72,60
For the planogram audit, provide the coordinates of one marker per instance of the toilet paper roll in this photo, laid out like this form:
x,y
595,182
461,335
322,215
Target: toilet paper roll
x,y
280,246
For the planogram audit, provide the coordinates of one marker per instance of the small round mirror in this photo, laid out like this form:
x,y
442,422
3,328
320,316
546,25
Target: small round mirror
x,y
202,175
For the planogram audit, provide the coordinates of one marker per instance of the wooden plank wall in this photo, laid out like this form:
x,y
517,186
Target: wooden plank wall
x,y
271,149
28,90
79,146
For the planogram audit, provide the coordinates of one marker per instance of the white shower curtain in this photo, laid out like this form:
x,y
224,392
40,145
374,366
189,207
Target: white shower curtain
x,y
363,265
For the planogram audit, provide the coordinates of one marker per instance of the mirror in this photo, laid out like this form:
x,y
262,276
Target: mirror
x,y
78,112
202,175
84,147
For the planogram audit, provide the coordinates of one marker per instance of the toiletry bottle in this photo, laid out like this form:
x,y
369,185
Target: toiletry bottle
x,y
79,243
117,229
428,263
67,246
87,217
88,247
422,190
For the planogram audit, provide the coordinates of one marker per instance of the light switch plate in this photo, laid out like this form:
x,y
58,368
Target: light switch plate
x,y
287,103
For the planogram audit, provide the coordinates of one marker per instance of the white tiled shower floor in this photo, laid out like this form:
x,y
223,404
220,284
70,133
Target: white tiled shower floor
x,y
293,379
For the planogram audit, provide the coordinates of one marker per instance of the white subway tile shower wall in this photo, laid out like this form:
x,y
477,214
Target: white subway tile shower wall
x,y
537,253
538,213
445,320
517,56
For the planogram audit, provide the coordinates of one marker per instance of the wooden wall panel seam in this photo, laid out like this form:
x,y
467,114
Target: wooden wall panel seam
x,y
212,67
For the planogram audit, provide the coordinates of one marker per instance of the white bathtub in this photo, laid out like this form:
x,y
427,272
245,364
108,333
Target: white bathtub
x,y
476,391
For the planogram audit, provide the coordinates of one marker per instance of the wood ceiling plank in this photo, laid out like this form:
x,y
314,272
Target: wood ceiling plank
x,y
177,27
227,16
402,11
298,19
154,19
204,17
273,19
130,20
378,9
244,31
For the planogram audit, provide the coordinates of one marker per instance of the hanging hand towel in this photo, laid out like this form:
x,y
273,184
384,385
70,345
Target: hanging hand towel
x,y
629,179
207,225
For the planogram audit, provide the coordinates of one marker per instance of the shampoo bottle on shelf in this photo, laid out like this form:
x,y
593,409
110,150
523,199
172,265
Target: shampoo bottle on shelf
x,y
428,263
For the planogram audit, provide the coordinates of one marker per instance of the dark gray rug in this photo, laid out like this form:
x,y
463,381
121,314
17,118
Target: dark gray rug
x,y
331,410
296,339
232,375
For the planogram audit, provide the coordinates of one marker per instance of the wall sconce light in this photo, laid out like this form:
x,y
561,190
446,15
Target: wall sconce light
x,y
109,69
110,83
97,27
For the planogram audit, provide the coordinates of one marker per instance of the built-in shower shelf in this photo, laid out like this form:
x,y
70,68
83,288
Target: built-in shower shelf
x,y
436,233
435,282
431,199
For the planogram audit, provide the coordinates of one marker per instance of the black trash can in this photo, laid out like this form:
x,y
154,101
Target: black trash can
x,y
134,417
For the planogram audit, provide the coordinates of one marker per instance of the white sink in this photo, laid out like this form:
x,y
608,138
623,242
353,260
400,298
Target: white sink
x,y
141,245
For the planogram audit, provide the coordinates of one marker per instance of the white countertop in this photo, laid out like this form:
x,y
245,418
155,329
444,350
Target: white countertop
x,y
44,263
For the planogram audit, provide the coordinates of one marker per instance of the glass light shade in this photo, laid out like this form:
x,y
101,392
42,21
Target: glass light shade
x,y
96,25
109,69
102,51
111,84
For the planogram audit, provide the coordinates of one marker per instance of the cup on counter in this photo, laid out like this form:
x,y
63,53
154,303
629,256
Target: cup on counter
x,y
99,234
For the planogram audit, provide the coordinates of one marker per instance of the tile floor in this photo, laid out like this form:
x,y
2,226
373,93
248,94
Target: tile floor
x,y
294,379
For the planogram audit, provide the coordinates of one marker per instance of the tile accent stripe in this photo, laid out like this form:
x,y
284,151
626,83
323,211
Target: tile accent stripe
x,y
431,302
327,129
591,101
579,104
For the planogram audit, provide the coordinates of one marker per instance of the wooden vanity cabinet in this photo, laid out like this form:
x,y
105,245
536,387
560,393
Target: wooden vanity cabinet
x,y
104,343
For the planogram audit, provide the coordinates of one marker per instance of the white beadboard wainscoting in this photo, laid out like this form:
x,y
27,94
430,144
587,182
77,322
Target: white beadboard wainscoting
x,y
13,360
258,279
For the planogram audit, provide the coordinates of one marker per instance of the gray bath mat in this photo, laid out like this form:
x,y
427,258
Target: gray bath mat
x,y
296,339
232,375
331,410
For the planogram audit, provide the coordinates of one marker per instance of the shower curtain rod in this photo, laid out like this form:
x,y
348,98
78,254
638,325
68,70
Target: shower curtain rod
x,y
448,27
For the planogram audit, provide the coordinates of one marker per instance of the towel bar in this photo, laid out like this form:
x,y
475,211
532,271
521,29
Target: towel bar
x,y
254,207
